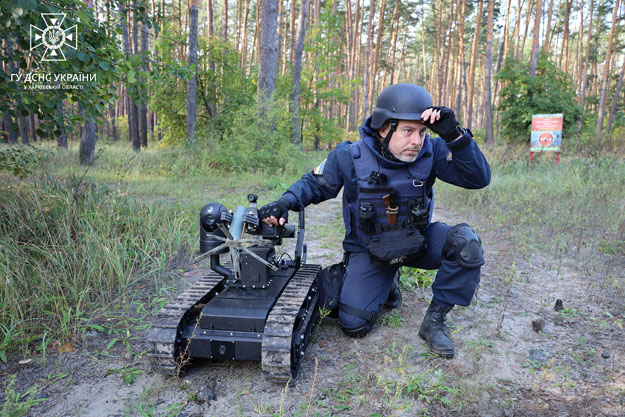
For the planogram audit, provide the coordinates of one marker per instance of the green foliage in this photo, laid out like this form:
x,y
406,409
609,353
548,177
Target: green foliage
x,y
573,210
17,404
70,247
19,160
98,56
413,278
550,91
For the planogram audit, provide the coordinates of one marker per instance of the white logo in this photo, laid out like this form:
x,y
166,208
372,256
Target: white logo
x,y
53,37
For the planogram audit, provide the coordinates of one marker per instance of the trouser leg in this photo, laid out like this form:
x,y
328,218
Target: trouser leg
x,y
366,287
453,283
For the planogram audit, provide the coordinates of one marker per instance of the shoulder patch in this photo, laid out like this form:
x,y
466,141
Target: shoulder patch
x,y
320,167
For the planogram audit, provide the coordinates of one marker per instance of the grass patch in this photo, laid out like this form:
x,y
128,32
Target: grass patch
x,y
574,210
78,244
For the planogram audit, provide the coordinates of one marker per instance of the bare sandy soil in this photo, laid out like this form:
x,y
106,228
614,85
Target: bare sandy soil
x,y
575,366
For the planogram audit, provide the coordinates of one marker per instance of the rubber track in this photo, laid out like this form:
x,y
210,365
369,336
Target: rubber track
x,y
164,334
279,331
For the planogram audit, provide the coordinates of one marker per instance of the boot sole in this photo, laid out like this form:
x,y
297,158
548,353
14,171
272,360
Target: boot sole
x,y
446,355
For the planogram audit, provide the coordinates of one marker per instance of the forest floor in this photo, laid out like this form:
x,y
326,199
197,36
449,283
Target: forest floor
x,y
574,366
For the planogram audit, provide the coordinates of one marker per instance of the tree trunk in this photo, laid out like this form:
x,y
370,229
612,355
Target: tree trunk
x,y
225,21
378,48
488,111
534,54
368,62
86,151
268,49
548,28
132,114
143,107
606,73
23,128
192,61
530,8
33,127
296,137
565,46
61,139
461,63
244,35
470,91
517,27
584,78
617,93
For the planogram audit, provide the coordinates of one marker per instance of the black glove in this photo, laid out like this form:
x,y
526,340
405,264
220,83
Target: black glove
x,y
447,127
278,209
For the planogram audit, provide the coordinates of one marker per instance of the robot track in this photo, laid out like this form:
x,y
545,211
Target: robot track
x,y
289,326
164,340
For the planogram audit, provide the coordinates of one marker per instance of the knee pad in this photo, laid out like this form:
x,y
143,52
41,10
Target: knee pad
x,y
464,246
361,331
363,323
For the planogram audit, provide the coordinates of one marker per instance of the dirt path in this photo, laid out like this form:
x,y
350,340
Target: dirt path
x,y
574,366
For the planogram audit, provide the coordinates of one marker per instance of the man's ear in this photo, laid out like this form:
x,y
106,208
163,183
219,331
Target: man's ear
x,y
383,131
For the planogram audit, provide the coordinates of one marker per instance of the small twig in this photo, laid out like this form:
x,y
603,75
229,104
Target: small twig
x,y
312,388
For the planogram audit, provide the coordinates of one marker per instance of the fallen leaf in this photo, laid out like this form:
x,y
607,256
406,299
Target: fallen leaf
x,y
67,348
25,361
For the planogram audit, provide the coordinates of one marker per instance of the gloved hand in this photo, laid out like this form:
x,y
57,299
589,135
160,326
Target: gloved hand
x,y
447,127
275,213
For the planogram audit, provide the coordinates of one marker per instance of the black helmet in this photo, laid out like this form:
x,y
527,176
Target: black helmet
x,y
402,102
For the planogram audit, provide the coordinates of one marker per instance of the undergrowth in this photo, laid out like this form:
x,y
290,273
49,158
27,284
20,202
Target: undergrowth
x,y
573,210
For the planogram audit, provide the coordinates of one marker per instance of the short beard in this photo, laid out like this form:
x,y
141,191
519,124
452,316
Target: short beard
x,y
406,158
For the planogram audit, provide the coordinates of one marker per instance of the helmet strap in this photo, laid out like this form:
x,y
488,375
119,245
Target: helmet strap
x,y
387,139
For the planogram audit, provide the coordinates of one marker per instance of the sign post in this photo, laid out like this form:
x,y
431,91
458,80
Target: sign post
x,y
546,134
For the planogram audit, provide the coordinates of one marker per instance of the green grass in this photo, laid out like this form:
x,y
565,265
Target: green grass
x,y
78,245
571,211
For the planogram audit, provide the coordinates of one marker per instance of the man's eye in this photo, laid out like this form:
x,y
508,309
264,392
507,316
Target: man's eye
x,y
408,131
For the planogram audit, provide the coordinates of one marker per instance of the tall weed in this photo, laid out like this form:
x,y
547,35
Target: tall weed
x,y
69,247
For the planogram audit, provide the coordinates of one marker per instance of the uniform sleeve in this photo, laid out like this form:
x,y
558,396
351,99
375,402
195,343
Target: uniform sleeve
x,y
461,163
320,184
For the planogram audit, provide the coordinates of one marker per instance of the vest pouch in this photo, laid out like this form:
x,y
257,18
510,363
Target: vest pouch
x,y
396,246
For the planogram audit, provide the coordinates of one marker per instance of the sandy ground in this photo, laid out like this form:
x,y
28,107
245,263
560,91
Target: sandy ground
x,y
574,366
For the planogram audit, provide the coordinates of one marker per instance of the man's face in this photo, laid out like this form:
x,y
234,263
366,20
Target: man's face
x,y
407,139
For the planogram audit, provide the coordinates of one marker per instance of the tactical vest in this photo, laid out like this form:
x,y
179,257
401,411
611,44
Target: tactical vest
x,y
367,214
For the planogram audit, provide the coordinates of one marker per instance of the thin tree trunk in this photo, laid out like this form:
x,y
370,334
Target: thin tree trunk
x,y
565,46
606,73
517,27
86,151
143,106
292,30
548,28
33,127
530,8
61,139
244,35
488,111
461,63
534,54
132,129
584,77
378,48
470,91
225,20
268,49
396,25
192,61
368,61
617,93
23,128
296,137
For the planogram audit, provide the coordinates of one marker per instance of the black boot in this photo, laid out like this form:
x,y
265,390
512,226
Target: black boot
x,y
394,297
434,331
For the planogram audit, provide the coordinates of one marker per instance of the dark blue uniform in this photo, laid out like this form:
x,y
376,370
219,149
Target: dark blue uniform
x,y
367,286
